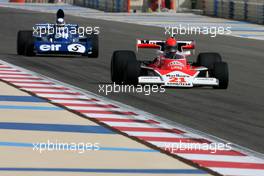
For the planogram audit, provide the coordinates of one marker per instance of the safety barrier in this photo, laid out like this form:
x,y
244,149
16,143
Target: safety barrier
x,y
17,1
248,10
105,5
127,5
39,1
42,1
29,1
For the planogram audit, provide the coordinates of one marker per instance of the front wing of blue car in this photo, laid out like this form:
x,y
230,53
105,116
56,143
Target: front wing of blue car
x,y
57,47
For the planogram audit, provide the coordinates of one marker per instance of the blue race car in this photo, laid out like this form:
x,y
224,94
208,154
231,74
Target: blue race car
x,y
59,38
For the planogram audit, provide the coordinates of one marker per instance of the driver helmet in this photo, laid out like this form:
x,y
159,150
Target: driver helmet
x,y
171,47
60,22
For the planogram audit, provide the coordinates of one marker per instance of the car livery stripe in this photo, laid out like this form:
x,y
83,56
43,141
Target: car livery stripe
x,y
145,127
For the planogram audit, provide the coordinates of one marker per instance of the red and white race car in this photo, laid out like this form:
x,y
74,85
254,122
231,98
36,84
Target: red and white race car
x,y
171,67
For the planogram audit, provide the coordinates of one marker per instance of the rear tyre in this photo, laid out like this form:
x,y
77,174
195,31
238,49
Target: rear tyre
x,y
23,38
119,63
94,44
220,72
208,60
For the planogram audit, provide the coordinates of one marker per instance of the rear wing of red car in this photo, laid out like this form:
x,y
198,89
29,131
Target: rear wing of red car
x,y
183,46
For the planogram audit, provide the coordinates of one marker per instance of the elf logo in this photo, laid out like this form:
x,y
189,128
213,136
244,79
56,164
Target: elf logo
x,y
51,47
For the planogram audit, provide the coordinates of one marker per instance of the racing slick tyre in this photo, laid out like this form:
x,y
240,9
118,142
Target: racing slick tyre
x,y
118,64
94,44
29,44
132,72
208,60
220,72
22,37
29,48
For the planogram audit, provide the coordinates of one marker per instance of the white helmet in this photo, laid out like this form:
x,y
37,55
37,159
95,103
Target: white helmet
x,y
60,22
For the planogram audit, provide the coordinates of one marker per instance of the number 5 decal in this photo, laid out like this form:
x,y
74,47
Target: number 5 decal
x,y
76,48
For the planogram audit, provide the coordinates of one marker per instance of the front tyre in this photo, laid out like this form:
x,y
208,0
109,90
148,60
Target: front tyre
x,y
132,72
220,72
20,42
25,43
119,63
29,44
29,48
208,60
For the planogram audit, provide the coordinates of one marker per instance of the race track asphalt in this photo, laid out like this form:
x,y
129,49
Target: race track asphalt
x,y
236,114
